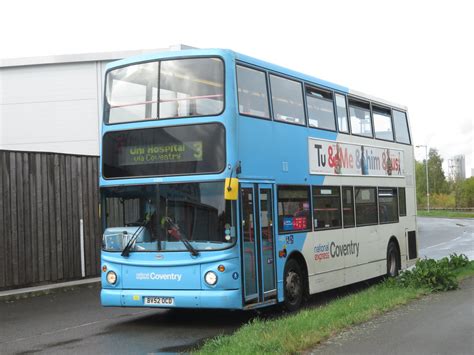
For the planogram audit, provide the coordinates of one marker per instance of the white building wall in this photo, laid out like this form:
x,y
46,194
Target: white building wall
x,y
54,104
52,108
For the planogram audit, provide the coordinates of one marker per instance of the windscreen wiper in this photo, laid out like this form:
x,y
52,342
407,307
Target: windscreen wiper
x,y
126,250
177,234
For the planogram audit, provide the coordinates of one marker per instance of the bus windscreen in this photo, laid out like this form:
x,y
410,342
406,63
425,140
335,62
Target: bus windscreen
x,y
178,150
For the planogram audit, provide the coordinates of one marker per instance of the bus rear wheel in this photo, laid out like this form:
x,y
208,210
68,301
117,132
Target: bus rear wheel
x,y
293,284
393,260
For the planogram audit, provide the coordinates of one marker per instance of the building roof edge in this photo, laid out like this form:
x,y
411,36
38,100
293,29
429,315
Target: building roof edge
x,y
84,57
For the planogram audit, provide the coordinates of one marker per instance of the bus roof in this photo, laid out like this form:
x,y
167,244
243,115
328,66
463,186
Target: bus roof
x,y
254,62
317,81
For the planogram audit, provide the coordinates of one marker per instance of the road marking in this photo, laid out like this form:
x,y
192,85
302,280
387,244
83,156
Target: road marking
x,y
437,245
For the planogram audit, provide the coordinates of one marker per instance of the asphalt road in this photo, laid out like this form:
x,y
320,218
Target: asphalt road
x,y
74,321
438,324
440,237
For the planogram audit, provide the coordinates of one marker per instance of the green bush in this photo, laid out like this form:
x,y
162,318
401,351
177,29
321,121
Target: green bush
x,y
456,261
435,275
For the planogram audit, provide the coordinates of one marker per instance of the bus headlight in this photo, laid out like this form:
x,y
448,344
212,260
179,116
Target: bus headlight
x,y
210,278
111,277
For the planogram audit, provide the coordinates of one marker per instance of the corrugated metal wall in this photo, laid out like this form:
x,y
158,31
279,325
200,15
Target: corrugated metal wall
x,y
43,197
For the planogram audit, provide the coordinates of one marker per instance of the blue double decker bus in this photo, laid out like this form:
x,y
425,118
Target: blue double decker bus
x,y
229,182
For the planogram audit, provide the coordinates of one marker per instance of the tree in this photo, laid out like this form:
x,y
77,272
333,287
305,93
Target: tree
x,y
437,180
465,193
420,174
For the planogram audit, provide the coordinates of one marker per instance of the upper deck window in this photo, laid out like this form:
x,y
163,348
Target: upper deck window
x,y
252,89
320,109
191,87
361,123
132,93
382,123
182,87
342,113
401,127
287,100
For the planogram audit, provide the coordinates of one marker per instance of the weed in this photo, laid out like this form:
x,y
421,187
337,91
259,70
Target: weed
x,y
435,275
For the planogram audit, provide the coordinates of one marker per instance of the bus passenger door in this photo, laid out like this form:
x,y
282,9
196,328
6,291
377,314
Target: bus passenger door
x,y
258,246
267,239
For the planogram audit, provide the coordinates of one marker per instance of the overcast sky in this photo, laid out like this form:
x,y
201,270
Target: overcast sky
x,y
416,53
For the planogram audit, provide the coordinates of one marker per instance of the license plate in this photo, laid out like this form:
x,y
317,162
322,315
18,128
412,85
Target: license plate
x,y
162,301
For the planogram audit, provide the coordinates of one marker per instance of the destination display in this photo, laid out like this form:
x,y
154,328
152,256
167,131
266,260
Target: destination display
x,y
337,158
159,151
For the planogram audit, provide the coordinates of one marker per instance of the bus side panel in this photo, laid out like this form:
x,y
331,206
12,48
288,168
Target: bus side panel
x,y
282,151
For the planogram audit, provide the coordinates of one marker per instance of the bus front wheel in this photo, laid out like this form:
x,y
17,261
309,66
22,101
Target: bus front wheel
x,y
393,260
293,285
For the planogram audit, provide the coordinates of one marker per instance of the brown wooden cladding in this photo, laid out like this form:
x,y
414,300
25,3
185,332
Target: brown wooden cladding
x,y
43,197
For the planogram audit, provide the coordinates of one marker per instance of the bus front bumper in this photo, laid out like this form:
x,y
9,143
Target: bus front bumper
x,y
228,299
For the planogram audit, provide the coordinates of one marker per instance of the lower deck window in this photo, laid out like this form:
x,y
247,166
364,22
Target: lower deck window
x,y
336,207
348,206
388,205
294,212
326,207
402,201
366,206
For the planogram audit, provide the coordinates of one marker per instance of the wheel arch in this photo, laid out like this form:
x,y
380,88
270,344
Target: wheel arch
x,y
296,255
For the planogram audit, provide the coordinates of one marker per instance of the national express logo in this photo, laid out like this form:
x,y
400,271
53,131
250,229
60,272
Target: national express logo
x,y
333,250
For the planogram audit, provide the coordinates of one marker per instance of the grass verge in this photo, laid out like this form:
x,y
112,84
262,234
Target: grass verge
x,y
445,214
465,272
306,329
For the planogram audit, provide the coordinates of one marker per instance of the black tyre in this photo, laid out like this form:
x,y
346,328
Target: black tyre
x,y
293,284
393,260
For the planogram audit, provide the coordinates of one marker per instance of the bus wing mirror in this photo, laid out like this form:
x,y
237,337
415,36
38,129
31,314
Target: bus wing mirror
x,y
231,188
